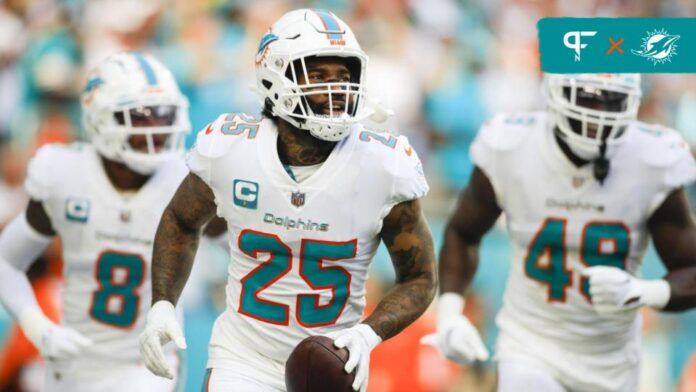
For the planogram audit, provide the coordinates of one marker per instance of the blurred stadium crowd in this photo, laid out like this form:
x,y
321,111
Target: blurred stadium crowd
x,y
443,66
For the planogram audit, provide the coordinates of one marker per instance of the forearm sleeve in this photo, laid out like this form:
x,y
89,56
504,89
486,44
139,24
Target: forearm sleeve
x,y
21,244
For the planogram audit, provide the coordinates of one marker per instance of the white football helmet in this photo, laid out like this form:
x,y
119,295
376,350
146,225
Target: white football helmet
x,y
132,94
282,55
584,128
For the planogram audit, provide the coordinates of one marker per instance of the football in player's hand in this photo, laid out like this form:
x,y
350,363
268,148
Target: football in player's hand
x,y
316,365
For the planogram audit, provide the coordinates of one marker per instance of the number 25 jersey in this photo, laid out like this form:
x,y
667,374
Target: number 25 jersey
x,y
299,251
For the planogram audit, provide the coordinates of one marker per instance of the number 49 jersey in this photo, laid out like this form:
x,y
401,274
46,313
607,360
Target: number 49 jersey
x,y
107,241
562,220
299,251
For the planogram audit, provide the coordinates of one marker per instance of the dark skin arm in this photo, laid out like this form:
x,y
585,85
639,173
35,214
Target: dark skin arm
x,y
38,218
215,227
176,241
407,237
476,212
674,235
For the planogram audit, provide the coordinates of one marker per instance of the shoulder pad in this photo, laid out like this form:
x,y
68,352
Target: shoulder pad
x,y
376,140
47,167
399,161
175,168
217,137
380,147
506,131
384,146
659,146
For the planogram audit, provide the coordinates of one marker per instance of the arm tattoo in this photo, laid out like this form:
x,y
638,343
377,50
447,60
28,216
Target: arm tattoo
x,y
299,148
410,245
216,227
177,236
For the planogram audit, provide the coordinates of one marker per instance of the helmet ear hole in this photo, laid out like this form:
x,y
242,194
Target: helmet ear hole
x,y
302,109
120,118
297,67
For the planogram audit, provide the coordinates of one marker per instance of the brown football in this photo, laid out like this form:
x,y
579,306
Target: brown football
x,y
316,365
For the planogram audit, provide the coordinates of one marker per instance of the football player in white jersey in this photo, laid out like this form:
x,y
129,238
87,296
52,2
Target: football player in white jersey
x,y
308,193
583,186
104,201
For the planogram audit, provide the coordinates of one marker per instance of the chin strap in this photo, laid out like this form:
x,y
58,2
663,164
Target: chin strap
x,y
601,164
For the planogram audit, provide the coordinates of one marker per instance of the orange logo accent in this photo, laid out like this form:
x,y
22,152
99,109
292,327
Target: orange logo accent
x,y
615,45
408,150
209,130
259,58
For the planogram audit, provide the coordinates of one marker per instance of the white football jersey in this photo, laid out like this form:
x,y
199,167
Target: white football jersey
x,y
299,251
561,219
107,242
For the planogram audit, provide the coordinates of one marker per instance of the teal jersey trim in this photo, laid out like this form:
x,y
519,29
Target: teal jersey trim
x,y
288,170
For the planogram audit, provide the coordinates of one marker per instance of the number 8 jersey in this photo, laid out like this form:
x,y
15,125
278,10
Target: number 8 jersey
x,y
299,251
561,220
106,238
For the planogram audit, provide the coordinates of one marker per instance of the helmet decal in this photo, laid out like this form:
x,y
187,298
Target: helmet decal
x,y
303,37
91,86
147,69
333,30
134,112
265,41
93,82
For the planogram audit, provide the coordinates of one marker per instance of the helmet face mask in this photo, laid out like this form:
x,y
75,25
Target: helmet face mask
x,y
297,42
592,110
147,116
327,87
134,112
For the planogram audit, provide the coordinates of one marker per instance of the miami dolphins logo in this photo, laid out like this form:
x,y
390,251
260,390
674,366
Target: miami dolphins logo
x,y
659,46
265,41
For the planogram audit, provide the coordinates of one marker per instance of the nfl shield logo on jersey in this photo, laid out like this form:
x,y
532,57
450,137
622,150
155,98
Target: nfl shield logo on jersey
x,y
297,199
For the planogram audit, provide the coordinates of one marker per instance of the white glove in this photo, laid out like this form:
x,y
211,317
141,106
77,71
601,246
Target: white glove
x,y
615,290
456,337
54,342
359,341
161,328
